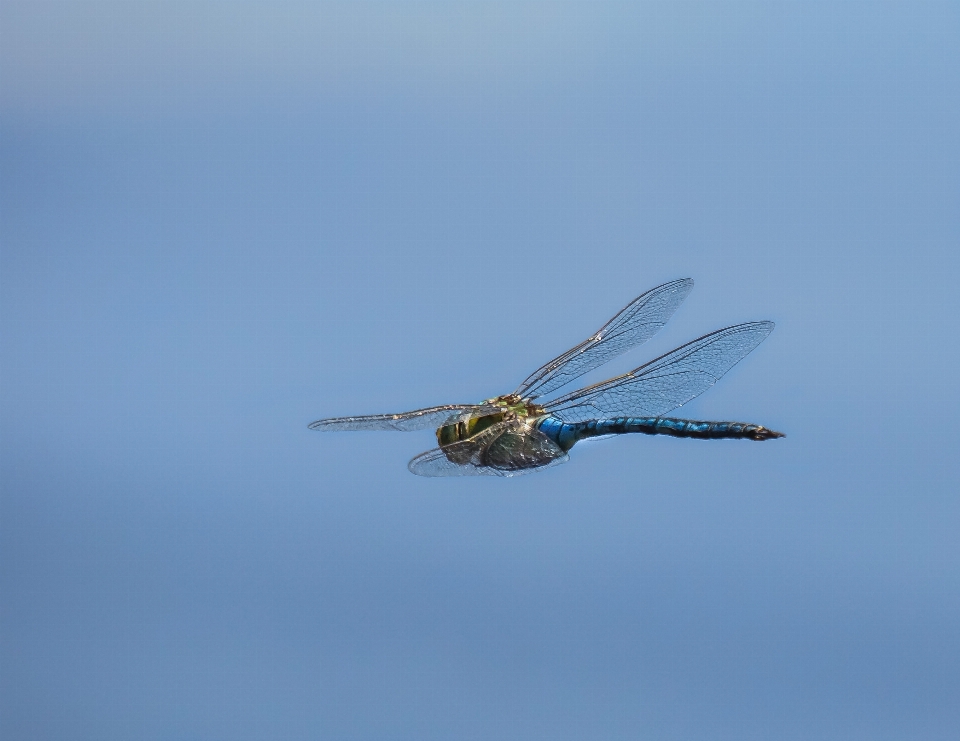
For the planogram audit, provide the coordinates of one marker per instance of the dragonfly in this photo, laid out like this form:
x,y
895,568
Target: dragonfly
x,y
519,433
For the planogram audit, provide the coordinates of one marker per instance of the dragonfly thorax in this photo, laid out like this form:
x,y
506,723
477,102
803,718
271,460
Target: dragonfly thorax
x,y
513,408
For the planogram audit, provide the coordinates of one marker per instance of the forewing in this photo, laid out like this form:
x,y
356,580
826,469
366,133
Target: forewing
x,y
638,322
666,383
419,419
470,457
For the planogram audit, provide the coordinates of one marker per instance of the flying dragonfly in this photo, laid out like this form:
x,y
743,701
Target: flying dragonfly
x,y
517,433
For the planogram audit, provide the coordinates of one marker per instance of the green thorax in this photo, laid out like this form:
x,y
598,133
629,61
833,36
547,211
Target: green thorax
x,y
513,408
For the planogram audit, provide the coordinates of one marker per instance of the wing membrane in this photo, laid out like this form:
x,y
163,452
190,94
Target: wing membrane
x,y
419,419
635,324
666,383
435,464
506,449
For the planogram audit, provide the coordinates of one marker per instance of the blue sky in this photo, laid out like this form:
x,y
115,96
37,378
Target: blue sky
x,y
219,222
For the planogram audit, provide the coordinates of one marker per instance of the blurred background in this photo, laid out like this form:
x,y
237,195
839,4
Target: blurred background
x,y
222,221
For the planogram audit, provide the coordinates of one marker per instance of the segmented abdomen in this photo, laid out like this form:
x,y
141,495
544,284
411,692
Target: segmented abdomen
x,y
566,435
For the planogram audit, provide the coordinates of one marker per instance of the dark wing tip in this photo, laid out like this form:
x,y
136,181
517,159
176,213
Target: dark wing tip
x,y
764,327
767,328
680,284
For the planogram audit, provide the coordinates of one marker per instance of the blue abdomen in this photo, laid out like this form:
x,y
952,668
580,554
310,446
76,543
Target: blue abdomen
x,y
566,435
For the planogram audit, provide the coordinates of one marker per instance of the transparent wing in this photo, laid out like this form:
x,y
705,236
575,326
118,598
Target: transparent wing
x,y
464,458
506,449
419,419
435,464
666,383
640,320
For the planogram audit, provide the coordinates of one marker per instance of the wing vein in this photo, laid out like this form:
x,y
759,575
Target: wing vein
x,y
667,382
635,324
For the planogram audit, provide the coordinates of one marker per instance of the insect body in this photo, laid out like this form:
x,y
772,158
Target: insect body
x,y
515,433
